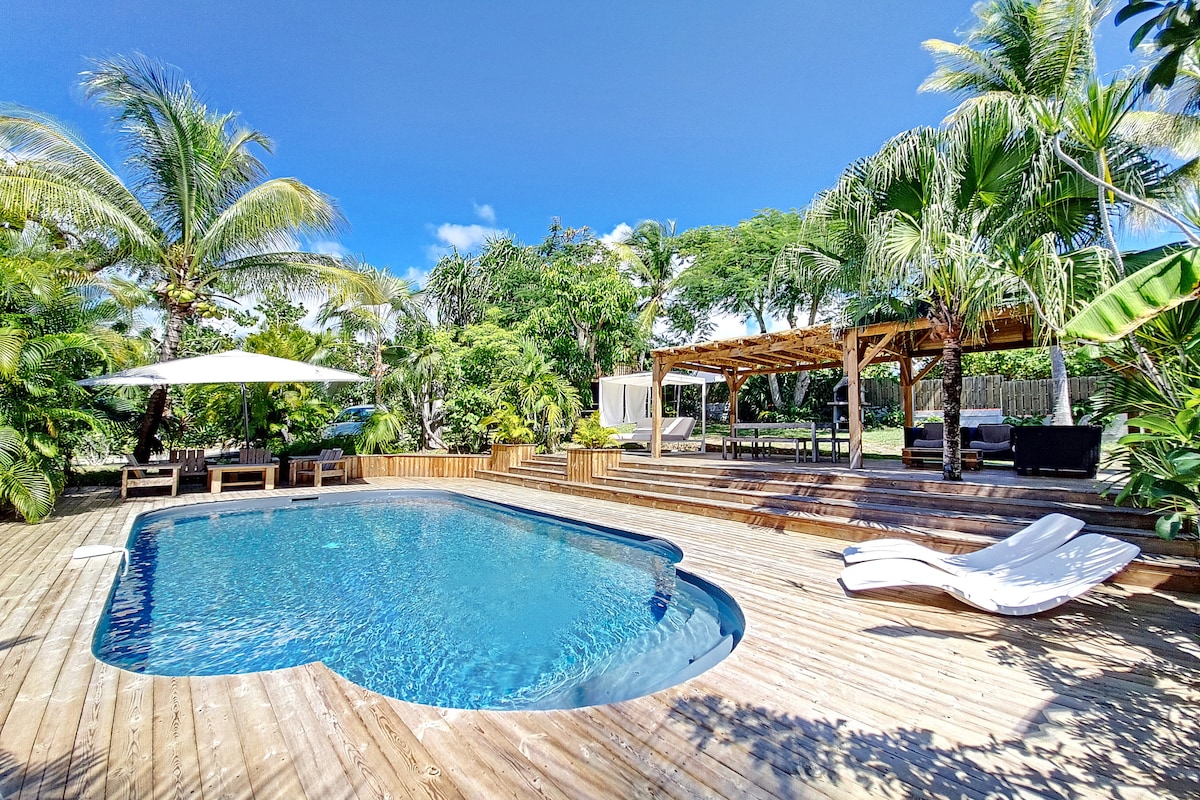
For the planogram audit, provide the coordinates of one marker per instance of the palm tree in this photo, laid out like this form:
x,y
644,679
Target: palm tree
x,y
198,220
651,255
546,398
460,288
1019,53
375,306
930,208
1033,56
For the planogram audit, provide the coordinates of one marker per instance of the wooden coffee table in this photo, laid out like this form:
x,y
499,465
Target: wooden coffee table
x,y
924,456
262,476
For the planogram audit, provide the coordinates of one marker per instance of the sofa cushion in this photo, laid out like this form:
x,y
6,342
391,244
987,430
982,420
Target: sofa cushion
x,y
928,444
990,447
932,431
995,434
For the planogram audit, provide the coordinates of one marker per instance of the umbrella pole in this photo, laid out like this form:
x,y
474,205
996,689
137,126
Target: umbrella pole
x,y
246,414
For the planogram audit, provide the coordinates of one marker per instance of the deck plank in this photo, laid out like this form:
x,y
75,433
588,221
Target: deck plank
x,y
889,694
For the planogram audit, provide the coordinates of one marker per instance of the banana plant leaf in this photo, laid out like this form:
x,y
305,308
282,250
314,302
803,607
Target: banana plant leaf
x,y
1159,287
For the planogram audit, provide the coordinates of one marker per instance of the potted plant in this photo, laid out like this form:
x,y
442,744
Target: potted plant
x,y
512,438
597,452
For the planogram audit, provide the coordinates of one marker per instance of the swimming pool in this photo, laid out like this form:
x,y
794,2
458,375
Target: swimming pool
x,y
429,597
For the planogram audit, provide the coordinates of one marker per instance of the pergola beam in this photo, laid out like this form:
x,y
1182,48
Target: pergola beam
x,y
877,348
925,370
822,347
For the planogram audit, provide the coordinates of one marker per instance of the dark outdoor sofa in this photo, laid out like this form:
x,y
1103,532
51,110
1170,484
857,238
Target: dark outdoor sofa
x,y
930,436
994,442
1057,448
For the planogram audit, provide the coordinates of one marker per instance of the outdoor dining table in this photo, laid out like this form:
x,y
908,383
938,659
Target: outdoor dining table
x,y
733,440
817,433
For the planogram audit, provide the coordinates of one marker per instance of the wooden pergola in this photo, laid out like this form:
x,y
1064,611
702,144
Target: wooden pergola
x,y
824,347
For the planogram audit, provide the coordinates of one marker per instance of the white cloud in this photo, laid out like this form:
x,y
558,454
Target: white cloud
x,y
464,238
328,248
416,277
485,212
618,234
728,326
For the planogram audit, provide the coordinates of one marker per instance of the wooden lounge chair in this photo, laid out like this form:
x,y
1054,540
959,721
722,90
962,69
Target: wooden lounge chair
x,y
194,465
329,464
135,475
1038,585
1031,542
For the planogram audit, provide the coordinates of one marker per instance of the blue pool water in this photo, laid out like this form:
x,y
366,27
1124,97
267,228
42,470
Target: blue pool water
x,y
425,596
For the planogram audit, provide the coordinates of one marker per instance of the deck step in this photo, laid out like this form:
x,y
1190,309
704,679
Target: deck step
x,y
896,511
920,480
1167,564
1097,511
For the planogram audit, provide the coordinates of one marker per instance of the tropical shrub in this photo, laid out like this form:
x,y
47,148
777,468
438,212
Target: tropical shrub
x,y
589,432
1164,467
1024,422
56,326
464,414
386,431
506,426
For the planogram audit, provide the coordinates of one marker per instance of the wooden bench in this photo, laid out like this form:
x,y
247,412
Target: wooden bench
x,y
135,475
928,456
254,462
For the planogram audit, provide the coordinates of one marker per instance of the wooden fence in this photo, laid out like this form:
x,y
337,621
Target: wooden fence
x,y
1013,398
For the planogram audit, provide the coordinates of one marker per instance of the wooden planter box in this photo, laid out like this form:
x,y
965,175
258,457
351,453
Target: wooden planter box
x,y
507,456
584,464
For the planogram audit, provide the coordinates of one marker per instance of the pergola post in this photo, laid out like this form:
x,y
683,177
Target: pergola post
x,y
733,383
906,390
850,357
660,371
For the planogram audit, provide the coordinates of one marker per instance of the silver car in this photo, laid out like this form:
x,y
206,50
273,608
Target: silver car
x,y
349,421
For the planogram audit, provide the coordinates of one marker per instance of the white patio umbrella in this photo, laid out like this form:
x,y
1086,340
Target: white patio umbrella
x,y
234,366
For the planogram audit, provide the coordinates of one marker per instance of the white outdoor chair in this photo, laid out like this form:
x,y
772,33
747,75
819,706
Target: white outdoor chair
x,y
1027,544
1037,585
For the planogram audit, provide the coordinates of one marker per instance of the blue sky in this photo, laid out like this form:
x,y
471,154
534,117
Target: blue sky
x,y
433,122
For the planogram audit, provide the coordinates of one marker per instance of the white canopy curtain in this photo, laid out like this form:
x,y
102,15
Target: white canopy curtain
x,y
626,398
233,366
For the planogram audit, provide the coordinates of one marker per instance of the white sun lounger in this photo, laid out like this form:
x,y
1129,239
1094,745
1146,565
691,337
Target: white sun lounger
x,y
1037,585
674,429
1035,540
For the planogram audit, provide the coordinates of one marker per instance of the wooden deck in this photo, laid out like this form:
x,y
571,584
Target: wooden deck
x,y
889,695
